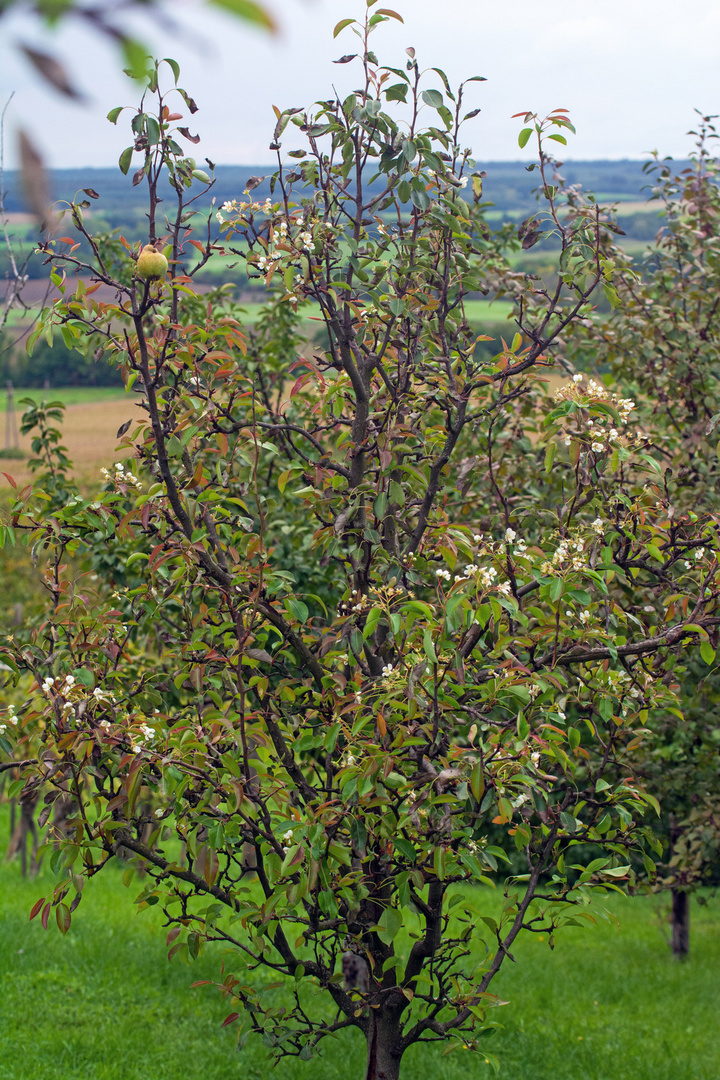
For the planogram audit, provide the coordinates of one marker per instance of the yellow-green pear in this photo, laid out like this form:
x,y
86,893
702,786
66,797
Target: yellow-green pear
x,y
151,263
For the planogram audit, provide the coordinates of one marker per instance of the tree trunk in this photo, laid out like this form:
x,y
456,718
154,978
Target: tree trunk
x,y
680,923
383,1047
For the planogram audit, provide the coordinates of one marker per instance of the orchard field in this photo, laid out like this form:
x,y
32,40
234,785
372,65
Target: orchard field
x,y
608,1003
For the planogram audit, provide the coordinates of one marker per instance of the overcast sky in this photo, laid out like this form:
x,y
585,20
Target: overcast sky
x,y
630,72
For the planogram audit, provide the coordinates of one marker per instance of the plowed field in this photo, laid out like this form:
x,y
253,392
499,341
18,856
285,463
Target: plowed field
x,y
89,433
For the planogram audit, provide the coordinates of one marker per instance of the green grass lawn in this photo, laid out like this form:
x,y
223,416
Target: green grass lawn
x,y
70,395
104,1003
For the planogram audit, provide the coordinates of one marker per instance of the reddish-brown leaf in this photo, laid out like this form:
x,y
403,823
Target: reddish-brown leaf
x,y
36,907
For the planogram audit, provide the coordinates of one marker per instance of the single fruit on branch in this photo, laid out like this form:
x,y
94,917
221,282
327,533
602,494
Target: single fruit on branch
x,y
151,263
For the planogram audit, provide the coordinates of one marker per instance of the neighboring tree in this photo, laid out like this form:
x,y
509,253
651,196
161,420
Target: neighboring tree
x,y
313,765
663,345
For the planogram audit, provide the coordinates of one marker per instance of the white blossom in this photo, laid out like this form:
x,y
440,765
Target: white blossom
x,y
487,577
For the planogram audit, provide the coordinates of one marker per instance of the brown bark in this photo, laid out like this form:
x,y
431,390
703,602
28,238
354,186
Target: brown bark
x,y
384,1051
18,841
680,923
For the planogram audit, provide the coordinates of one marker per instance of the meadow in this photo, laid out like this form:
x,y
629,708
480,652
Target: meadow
x,y
609,1003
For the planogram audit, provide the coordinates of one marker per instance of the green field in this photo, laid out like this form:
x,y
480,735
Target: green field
x,y
70,395
104,1003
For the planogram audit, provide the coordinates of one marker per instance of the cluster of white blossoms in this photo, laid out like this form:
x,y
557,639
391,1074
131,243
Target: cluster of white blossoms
x,y
585,616
519,546
288,838
601,438
11,719
51,686
698,554
468,572
121,475
387,670
569,552
232,206
488,576
443,575
268,261
75,699
144,734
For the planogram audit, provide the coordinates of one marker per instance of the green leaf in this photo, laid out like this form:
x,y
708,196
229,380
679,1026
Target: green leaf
x,y
135,57
153,131
297,609
420,199
523,137
429,647
248,10
371,622
433,97
173,64
114,113
389,925
339,27
396,92
477,782
707,652
405,848
63,917
125,159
